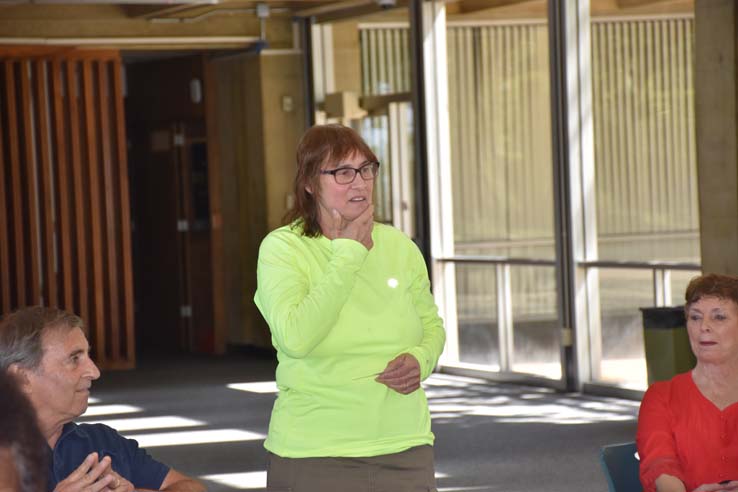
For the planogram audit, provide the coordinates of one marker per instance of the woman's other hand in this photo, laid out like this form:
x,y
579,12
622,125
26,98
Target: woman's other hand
x,y
670,483
402,374
359,229
718,487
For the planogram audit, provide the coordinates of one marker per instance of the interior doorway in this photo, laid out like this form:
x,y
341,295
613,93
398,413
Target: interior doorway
x,y
172,231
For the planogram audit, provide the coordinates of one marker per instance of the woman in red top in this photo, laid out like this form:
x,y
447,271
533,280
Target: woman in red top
x,y
688,427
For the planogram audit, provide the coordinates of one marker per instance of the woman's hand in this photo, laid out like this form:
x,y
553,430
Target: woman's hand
x,y
358,229
402,374
670,483
730,486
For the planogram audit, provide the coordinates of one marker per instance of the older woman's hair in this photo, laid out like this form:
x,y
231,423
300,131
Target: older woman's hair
x,y
319,145
711,285
20,437
22,330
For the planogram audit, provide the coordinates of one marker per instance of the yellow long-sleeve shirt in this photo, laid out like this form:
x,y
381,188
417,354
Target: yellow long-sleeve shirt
x,y
338,313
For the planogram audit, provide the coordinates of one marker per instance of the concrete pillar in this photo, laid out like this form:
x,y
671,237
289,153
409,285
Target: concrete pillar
x,y
717,138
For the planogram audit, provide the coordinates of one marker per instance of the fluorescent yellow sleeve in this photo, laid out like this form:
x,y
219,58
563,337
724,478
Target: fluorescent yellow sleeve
x,y
338,314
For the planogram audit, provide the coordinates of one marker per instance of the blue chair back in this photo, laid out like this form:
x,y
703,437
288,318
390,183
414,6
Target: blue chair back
x,y
620,464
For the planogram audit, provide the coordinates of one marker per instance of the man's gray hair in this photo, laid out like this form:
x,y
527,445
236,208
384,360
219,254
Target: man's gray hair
x,y
21,333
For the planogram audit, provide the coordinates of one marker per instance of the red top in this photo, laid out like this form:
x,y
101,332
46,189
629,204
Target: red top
x,y
682,433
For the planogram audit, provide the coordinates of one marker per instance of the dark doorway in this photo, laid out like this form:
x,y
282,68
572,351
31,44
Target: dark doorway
x,y
172,243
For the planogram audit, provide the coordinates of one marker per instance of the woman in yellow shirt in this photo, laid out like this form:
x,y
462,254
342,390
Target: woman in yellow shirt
x,y
356,329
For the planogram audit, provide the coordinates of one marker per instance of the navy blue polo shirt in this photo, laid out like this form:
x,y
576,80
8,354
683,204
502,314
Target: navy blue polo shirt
x,y
129,461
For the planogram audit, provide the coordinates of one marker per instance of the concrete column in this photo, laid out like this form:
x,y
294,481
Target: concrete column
x,y
717,137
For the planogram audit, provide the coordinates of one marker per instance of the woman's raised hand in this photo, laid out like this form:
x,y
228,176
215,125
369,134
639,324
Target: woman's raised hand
x,y
359,229
727,486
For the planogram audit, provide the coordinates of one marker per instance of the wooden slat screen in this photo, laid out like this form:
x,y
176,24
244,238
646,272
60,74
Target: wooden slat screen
x,y
64,203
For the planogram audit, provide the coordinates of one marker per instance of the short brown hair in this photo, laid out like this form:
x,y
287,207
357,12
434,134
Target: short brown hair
x,y
711,285
21,332
320,144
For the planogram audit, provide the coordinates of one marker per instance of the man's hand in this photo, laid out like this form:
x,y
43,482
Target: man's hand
x,y
91,476
119,484
402,374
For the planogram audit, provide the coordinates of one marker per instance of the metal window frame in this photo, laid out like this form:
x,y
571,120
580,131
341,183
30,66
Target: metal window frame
x,y
305,25
576,220
429,40
575,234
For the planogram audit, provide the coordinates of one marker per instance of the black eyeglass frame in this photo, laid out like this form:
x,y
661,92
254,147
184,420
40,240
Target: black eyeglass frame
x,y
374,165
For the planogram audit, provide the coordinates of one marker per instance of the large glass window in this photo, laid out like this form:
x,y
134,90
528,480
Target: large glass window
x,y
645,169
632,209
504,326
362,79
502,188
644,136
476,301
631,216
499,111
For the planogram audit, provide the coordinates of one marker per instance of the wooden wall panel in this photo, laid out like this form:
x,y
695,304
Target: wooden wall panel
x,y
64,260
243,183
44,158
215,183
16,189
91,151
81,225
31,196
5,287
64,218
110,240
125,264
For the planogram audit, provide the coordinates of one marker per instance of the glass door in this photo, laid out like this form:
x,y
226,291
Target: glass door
x,y
501,242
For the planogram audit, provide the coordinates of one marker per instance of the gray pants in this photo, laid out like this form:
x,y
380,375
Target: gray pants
x,y
409,471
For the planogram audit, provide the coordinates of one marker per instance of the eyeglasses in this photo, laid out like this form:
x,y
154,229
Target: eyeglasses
x,y
345,175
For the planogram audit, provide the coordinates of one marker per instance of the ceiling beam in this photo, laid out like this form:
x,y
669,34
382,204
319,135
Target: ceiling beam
x,y
347,9
332,7
470,6
151,11
626,4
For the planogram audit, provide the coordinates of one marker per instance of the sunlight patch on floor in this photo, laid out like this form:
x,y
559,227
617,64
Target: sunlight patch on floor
x,y
257,480
247,480
260,387
548,414
449,380
98,410
463,489
148,423
183,438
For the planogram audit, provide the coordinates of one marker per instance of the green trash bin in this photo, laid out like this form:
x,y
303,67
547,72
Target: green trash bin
x,y
666,342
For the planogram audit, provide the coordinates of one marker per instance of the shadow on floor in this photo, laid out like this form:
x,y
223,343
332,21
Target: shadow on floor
x,y
489,436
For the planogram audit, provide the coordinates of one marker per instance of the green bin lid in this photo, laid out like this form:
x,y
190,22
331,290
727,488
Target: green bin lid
x,y
663,317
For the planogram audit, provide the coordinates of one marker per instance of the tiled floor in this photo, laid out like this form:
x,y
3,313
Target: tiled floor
x,y
208,417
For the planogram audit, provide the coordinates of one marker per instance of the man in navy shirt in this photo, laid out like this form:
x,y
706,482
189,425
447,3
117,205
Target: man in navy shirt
x,y
49,353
